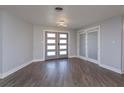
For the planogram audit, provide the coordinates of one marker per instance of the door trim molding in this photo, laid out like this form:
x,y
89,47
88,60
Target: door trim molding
x,y
55,31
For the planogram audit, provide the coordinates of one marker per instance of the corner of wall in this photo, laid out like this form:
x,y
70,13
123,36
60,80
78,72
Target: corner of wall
x,y
122,41
1,42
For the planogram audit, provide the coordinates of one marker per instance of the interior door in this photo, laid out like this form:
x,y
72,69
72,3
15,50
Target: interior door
x,y
51,45
92,45
56,45
62,45
82,46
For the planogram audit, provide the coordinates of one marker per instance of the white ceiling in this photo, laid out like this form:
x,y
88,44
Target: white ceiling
x,y
77,16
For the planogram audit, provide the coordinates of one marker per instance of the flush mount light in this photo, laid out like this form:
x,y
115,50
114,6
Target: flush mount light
x,y
61,23
58,9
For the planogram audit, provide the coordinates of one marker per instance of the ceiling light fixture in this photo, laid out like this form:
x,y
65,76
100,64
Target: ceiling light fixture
x,y
61,23
62,20
58,9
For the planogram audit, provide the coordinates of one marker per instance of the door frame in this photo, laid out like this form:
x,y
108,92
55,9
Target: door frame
x,y
55,31
86,31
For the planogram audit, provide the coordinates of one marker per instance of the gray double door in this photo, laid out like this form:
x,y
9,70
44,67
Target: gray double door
x,y
56,45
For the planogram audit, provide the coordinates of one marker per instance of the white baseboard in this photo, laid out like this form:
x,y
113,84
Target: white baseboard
x,y
88,59
14,70
102,65
111,68
83,58
122,72
18,68
0,75
37,60
72,56
92,60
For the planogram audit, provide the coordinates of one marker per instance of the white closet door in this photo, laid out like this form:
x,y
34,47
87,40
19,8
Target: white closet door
x,y
82,45
92,45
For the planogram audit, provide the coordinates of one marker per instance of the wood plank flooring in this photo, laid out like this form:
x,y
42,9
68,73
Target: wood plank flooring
x,y
71,72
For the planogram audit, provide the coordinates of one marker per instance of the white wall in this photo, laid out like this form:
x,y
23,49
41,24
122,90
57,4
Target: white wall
x,y
17,42
38,41
73,44
21,42
110,42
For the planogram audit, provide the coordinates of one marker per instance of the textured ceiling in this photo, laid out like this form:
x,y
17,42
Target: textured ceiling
x,y
77,16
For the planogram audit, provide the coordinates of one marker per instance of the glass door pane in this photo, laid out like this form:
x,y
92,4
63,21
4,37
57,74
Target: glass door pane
x,y
63,46
63,41
63,35
63,52
51,53
51,35
51,47
51,41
